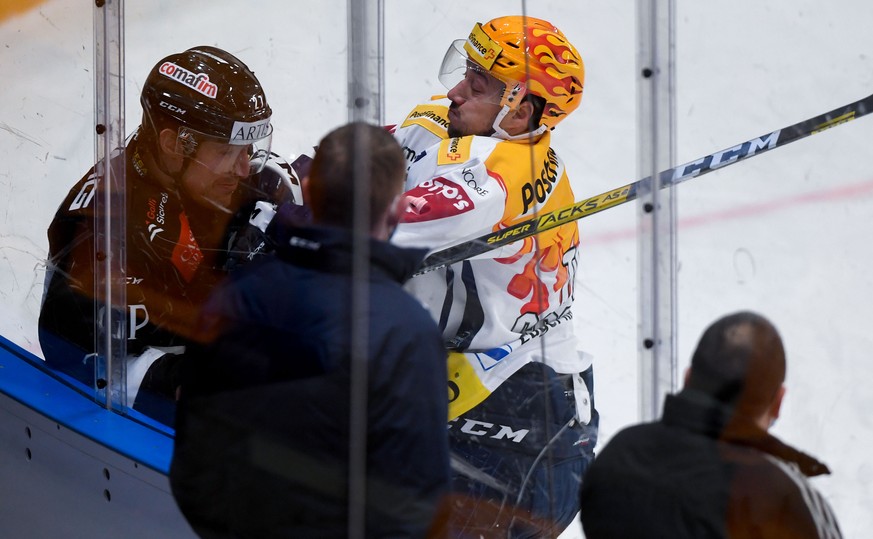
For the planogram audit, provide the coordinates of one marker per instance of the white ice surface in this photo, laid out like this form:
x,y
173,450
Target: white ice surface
x,y
785,234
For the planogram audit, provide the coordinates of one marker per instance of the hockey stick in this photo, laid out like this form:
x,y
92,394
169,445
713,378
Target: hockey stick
x,y
631,191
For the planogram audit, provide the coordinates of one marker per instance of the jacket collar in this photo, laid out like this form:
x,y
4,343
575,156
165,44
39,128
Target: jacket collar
x,y
700,413
331,249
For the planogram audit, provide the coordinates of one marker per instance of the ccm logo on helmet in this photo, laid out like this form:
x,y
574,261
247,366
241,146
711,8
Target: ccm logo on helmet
x,y
195,81
172,108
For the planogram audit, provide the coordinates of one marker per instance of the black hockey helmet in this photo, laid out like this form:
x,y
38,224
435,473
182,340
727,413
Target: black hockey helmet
x,y
207,94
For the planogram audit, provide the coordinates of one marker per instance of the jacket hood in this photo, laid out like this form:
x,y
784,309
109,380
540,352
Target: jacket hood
x,y
701,413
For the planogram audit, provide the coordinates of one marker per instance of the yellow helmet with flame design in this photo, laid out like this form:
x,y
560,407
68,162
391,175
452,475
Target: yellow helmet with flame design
x,y
528,55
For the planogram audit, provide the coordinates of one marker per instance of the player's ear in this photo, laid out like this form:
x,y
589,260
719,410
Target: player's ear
x,y
525,110
517,121
167,141
168,151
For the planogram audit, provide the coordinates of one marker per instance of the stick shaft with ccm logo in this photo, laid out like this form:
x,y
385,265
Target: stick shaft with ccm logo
x,y
631,191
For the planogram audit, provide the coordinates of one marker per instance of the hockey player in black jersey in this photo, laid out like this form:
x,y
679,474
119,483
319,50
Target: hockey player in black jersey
x,y
193,172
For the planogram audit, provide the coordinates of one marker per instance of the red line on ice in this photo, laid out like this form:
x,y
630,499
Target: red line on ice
x,y
839,193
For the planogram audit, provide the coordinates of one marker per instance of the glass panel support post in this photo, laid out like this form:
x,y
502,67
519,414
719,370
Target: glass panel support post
x,y
109,205
656,207
366,79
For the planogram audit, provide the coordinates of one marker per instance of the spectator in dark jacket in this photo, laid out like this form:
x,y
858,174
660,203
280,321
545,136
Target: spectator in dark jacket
x,y
709,468
318,404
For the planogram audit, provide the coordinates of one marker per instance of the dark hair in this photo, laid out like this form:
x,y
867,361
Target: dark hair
x,y
740,361
539,105
356,152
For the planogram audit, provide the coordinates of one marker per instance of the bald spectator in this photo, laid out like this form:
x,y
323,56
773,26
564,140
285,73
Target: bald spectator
x,y
709,468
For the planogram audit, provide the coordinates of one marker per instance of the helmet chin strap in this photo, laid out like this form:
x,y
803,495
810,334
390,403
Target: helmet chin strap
x,y
151,143
500,133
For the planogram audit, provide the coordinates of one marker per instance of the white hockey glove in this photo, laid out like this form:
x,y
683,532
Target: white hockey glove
x,y
275,189
279,180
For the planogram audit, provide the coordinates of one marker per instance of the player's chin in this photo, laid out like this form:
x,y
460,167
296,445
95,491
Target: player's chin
x,y
454,128
222,192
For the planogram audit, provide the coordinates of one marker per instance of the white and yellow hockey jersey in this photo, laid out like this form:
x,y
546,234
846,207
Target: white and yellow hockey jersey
x,y
509,306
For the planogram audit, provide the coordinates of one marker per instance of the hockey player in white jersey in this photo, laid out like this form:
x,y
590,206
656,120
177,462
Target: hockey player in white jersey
x,y
522,424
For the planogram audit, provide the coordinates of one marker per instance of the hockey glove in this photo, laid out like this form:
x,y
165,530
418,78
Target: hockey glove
x,y
278,180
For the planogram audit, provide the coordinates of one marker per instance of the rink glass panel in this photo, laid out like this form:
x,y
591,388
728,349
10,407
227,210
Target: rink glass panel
x,y
50,138
300,56
785,234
